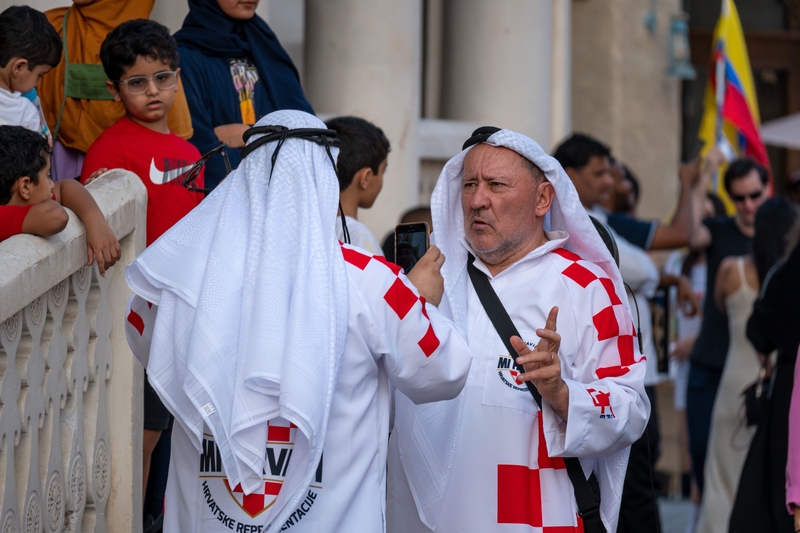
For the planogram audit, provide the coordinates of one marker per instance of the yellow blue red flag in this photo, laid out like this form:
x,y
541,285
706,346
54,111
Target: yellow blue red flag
x,y
730,116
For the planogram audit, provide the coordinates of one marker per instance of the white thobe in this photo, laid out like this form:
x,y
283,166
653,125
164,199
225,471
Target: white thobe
x,y
393,337
507,474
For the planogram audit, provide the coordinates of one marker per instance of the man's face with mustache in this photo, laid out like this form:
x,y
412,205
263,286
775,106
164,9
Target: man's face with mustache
x,y
499,198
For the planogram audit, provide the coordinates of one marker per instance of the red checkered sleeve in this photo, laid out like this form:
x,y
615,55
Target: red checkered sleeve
x,y
608,407
140,319
421,350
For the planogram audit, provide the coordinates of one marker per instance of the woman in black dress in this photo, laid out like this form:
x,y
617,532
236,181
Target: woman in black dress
x,y
760,503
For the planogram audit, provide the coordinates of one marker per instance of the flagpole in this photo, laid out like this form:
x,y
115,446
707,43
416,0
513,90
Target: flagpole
x,y
720,93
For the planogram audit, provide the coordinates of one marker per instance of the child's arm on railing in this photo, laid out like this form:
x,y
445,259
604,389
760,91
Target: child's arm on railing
x,y
45,219
100,239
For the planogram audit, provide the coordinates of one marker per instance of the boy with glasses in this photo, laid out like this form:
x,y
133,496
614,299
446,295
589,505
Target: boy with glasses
x,y
140,58
746,184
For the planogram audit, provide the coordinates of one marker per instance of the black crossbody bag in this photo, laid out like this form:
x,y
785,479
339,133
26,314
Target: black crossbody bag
x,y
587,491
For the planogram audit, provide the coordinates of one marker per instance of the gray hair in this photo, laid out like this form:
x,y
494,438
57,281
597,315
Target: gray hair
x,y
534,170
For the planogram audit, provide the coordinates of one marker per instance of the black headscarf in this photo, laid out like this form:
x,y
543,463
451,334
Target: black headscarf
x,y
210,31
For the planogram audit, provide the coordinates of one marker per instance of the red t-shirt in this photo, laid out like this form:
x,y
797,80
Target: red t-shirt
x,y
11,219
155,158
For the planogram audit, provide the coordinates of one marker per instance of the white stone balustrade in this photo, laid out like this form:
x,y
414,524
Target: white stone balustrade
x,y
70,390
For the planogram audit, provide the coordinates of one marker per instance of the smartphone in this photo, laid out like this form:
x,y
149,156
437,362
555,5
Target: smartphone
x,y
411,241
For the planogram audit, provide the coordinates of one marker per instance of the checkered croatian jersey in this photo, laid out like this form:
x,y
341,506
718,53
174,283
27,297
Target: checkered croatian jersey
x,y
393,337
508,474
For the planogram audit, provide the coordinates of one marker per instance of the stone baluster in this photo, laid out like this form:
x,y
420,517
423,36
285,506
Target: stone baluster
x,y
33,414
55,396
77,384
101,370
10,421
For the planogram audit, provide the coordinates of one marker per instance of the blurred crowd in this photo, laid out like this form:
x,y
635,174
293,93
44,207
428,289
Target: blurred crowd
x,y
714,292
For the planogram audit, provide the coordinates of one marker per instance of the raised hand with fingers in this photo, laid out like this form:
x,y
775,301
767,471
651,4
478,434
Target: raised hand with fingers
x,y
543,367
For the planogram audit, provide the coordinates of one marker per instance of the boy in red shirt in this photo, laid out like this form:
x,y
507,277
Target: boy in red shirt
x,y
140,58
31,203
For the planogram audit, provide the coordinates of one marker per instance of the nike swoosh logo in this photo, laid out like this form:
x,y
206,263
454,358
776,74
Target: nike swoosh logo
x,y
160,177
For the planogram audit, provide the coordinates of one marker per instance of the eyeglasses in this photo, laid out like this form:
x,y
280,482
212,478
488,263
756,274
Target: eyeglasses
x,y
192,174
163,80
739,198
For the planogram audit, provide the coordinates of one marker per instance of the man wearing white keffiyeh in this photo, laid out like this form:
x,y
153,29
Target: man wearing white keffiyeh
x,y
490,460
273,342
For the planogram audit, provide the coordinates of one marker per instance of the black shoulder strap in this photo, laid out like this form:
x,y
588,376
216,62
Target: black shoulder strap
x,y
587,491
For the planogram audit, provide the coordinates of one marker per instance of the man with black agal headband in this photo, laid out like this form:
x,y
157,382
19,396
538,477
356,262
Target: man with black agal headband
x,y
507,216
273,343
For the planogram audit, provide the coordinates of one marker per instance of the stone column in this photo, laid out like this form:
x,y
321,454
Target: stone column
x,y
363,57
498,64
561,94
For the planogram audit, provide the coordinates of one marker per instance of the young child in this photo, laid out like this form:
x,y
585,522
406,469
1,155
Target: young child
x,y
31,203
362,161
140,58
29,47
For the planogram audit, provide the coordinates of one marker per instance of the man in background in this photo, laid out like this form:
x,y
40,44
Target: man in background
x,y
587,162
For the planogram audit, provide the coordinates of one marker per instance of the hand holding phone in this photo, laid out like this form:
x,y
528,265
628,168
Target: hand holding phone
x,y
427,276
411,241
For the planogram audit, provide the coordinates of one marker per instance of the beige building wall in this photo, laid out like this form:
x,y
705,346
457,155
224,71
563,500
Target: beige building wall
x,y
622,95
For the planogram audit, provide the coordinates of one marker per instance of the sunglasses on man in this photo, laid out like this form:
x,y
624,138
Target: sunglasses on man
x,y
739,198
192,174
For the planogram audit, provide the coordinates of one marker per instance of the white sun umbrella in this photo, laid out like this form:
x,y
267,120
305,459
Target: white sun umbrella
x,y
783,132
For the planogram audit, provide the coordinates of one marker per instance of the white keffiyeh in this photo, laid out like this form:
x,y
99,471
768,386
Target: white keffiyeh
x,y
428,433
253,308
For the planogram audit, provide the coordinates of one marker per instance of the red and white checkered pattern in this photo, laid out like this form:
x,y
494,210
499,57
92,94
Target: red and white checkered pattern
x,y
613,322
279,431
400,297
140,319
521,500
256,503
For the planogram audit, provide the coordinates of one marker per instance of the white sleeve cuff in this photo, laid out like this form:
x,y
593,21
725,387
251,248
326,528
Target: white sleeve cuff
x,y
566,439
